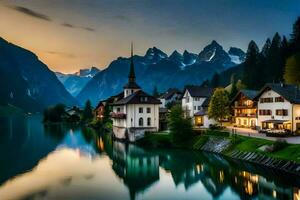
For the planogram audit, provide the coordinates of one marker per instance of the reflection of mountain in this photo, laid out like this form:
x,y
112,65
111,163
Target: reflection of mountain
x,y
137,168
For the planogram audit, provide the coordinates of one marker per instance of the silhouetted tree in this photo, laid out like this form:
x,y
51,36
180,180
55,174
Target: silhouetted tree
x,y
295,37
215,81
292,70
87,113
251,67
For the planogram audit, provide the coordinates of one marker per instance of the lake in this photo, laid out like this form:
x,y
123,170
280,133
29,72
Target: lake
x,y
67,162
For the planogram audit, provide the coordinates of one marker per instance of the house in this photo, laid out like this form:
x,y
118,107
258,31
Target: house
x,y
195,103
245,109
106,104
279,108
171,96
136,113
163,119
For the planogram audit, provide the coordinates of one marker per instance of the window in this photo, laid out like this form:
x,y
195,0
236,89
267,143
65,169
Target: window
x,y
279,99
144,99
149,121
141,121
199,107
140,110
118,109
265,112
266,100
148,110
282,112
195,108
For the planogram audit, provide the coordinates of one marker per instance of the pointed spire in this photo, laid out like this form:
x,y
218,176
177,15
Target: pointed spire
x,y
131,72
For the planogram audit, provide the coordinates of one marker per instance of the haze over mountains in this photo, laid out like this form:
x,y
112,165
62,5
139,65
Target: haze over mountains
x,y
75,82
157,69
27,83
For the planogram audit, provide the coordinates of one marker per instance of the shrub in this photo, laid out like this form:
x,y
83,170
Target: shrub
x,y
279,145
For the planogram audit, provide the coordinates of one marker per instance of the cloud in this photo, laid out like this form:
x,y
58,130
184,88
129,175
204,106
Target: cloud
x,y
63,54
89,29
31,13
68,25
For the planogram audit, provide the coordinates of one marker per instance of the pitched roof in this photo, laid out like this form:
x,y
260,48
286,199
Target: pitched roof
x,y
139,97
170,93
199,91
290,92
250,94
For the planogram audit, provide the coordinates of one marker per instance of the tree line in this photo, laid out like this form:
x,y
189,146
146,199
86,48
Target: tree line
x,y
277,61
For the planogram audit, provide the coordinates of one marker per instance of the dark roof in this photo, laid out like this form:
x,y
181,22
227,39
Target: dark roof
x,y
163,110
110,100
199,91
250,94
200,113
138,98
170,93
290,92
206,102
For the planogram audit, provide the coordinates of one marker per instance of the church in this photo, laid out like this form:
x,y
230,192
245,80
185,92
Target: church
x,y
136,113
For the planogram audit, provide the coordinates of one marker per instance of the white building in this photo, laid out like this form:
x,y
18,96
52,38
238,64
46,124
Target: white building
x,y
279,107
173,95
136,113
195,102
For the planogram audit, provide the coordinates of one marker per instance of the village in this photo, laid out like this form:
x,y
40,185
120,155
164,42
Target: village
x,y
273,111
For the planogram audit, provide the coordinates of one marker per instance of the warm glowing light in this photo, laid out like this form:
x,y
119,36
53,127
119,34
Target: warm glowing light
x,y
222,177
199,168
296,194
274,194
249,188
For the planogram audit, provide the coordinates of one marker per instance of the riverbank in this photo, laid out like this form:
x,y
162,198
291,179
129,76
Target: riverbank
x,y
273,154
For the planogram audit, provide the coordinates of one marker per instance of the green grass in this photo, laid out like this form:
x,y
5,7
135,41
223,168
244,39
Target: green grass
x,y
291,152
250,144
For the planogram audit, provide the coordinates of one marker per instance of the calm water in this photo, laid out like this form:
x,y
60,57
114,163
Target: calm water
x,y
62,163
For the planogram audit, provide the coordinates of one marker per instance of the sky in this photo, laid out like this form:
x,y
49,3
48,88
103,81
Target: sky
x,y
69,35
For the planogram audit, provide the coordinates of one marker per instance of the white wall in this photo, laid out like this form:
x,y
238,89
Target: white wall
x,y
133,115
273,107
296,114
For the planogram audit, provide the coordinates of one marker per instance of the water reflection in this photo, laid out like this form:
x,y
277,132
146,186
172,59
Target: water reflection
x,y
67,162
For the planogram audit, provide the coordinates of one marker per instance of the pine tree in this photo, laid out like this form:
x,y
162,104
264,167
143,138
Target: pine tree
x,y
292,69
215,81
266,48
274,61
87,113
251,67
234,89
295,37
155,92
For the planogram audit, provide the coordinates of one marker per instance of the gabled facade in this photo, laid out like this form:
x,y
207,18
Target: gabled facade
x,y
195,102
245,109
279,108
173,95
136,113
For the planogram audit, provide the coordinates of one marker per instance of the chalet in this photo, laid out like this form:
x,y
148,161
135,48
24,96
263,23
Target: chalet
x,y
245,109
106,104
279,108
136,113
195,103
171,96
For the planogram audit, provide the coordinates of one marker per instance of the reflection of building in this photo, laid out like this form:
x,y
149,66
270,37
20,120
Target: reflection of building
x,y
138,168
245,109
136,113
195,104
279,107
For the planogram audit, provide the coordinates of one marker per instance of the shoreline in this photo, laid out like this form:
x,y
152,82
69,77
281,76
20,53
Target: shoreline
x,y
229,147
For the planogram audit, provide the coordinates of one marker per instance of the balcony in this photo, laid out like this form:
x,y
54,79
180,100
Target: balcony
x,y
245,115
118,115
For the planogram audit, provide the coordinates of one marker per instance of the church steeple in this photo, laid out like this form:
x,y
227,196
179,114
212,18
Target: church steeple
x,y
131,86
131,77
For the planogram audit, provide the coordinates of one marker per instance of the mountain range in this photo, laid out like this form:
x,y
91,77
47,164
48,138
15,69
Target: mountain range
x,y
157,69
76,81
26,82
